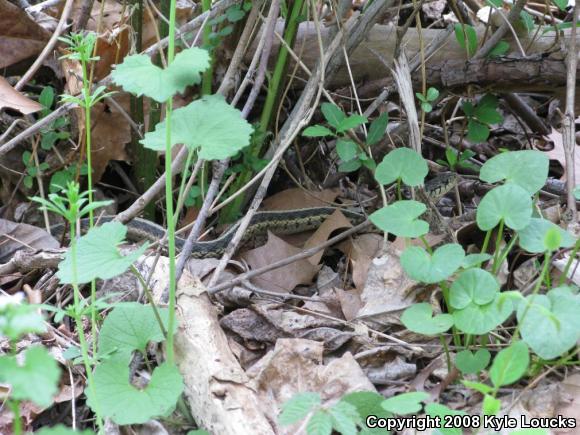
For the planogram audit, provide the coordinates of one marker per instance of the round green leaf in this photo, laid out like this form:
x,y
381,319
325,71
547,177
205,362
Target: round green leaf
x,y
403,163
421,266
551,325
400,219
406,403
472,363
481,319
473,286
474,259
509,202
346,149
510,364
476,131
419,318
528,169
534,238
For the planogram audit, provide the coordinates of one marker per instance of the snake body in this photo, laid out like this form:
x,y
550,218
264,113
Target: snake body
x,y
279,222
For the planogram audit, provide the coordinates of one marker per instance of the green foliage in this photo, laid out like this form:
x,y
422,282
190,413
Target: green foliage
x,y
535,237
367,403
549,323
510,364
480,117
472,363
438,410
59,429
427,99
404,164
32,171
501,48
35,378
138,75
427,268
527,169
97,255
419,318
401,219
466,38
377,129
298,407
202,125
80,46
508,203
406,403
454,160
17,319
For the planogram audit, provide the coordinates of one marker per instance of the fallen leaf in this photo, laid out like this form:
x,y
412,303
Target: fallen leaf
x,y
557,153
283,279
333,222
361,251
296,198
20,37
15,236
11,98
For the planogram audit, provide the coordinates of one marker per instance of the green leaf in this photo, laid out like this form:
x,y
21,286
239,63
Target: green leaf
x,y
463,31
426,107
418,318
491,405
481,319
551,325
234,13
437,410
468,108
421,266
210,124
509,202
368,403
474,259
350,166
530,432
125,404
401,220
60,429
346,149
403,163
344,418
510,364
333,114
562,5
46,97
352,121
533,238
528,169
432,94
406,403
472,363
17,319
478,386
317,131
473,286
486,110
421,97
320,423
97,255
298,407
35,379
131,326
377,129
527,20
500,49
476,131
138,75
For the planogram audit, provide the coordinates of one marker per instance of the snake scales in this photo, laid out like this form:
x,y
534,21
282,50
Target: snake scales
x,y
279,222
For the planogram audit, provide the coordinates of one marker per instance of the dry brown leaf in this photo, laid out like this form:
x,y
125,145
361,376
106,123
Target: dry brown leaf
x,y
361,252
557,153
283,279
11,98
291,199
20,36
333,222
15,236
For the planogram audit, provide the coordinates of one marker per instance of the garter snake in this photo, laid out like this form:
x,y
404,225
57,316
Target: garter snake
x,y
279,222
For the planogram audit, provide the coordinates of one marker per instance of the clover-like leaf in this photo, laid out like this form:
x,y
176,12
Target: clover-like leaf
x,y
124,403
528,169
551,325
421,266
129,327
533,238
400,219
210,124
138,75
510,364
35,378
97,255
472,363
438,410
486,110
473,285
406,403
403,163
509,202
419,318
476,131
474,259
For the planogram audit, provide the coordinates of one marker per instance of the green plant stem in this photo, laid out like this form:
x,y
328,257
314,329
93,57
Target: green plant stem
x,y
446,350
16,421
497,246
180,198
564,275
427,247
507,250
169,192
486,242
79,324
149,296
208,74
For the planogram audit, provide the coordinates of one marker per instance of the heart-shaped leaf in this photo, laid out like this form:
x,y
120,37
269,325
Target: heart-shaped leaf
x,y
403,163
474,259
138,75
551,325
533,238
406,403
472,363
510,364
419,318
421,266
400,219
528,169
509,202
473,286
